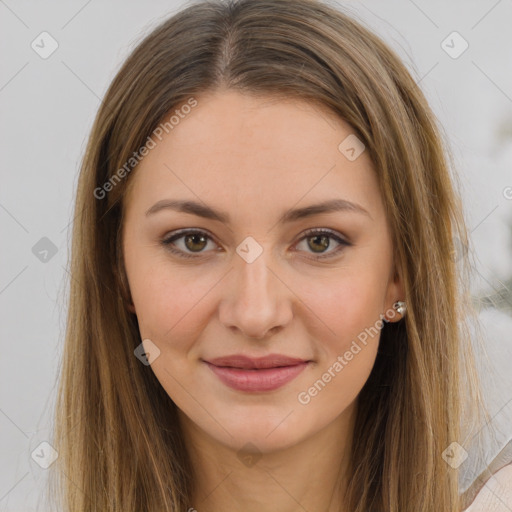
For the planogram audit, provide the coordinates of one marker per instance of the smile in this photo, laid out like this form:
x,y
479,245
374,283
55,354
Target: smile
x,y
256,375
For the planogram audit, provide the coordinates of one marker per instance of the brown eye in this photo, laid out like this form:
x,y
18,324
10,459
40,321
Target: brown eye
x,y
196,242
192,243
320,240
318,243
186,243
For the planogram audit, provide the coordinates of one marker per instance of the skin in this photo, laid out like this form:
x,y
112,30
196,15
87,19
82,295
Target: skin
x,y
254,158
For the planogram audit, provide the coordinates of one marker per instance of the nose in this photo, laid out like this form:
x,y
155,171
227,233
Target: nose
x,y
255,300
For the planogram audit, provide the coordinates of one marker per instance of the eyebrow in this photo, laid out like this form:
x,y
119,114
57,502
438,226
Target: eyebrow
x,y
202,210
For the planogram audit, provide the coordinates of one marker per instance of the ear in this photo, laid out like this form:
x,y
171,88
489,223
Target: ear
x,y
125,290
122,279
395,292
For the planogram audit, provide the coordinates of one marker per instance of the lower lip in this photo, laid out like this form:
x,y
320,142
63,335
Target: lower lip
x,y
266,379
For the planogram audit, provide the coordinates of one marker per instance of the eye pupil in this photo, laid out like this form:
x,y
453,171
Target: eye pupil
x,y
193,237
324,242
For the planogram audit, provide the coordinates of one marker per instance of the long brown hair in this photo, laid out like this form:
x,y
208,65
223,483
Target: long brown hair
x,y
116,430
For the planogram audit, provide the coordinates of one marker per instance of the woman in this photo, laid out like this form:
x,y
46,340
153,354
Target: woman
x,y
266,312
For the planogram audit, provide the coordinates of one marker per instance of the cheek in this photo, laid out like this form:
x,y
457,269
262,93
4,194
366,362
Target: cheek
x,y
346,306
169,302
350,314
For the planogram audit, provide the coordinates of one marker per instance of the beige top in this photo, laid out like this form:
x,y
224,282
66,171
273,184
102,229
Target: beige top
x,y
496,493
490,451
492,490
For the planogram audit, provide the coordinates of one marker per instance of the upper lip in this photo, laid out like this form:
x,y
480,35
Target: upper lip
x,y
247,363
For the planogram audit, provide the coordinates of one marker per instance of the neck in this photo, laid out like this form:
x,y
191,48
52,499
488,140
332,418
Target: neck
x,y
310,475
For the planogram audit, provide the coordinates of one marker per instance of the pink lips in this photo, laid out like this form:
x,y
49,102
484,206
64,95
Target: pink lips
x,y
256,374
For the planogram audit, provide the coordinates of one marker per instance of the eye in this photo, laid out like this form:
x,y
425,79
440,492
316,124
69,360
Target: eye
x,y
195,241
318,240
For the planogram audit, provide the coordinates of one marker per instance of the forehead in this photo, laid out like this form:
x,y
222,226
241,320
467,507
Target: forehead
x,y
235,148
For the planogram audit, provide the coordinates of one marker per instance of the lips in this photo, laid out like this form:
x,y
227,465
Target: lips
x,y
267,373
251,363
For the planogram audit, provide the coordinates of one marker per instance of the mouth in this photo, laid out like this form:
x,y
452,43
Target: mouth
x,y
267,373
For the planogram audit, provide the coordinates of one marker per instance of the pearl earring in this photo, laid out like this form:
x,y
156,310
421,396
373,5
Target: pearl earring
x,y
400,306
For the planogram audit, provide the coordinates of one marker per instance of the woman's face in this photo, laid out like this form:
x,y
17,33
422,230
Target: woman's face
x,y
267,274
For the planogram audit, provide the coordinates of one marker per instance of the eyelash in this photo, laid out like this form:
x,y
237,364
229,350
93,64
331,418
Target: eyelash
x,y
167,242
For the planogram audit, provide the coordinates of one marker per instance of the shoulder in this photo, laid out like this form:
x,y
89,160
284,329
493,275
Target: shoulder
x,y
496,494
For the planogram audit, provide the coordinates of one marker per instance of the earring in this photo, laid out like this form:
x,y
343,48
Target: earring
x,y
400,306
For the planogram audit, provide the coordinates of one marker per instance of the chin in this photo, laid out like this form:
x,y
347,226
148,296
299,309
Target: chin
x,y
254,440
262,429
